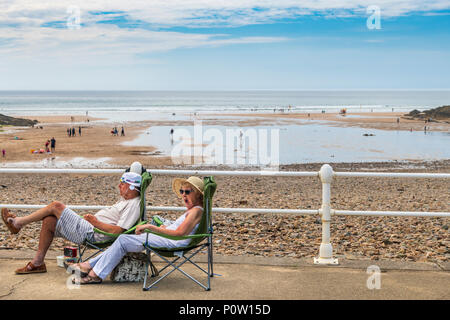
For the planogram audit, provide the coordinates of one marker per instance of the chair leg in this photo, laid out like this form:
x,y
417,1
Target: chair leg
x,y
178,267
210,258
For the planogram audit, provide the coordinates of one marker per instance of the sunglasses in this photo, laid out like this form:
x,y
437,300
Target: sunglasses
x,y
187,192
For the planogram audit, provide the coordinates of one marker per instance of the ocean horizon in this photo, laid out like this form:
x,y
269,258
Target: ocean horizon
x,y
102,103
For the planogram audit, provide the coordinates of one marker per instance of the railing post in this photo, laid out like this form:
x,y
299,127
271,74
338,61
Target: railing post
x,y
326,249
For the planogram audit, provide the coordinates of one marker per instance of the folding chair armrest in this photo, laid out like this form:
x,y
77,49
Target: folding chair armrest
x,y
133,229
115,235
96,230
191,236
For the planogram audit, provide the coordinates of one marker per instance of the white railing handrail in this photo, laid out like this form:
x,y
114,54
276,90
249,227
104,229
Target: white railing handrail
x,y
234,173
155,208
169,172
250,210
326,175
392,175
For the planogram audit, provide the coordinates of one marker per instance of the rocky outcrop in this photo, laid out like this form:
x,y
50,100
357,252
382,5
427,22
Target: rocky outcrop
x,y
441,113
18,122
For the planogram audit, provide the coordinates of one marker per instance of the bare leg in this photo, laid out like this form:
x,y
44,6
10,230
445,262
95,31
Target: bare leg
x,y
45,239
53,209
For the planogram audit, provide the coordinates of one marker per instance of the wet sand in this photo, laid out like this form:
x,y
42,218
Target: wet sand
x,y
97,142
370,120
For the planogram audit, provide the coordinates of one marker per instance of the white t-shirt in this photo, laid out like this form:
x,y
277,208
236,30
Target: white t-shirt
x,y
124,213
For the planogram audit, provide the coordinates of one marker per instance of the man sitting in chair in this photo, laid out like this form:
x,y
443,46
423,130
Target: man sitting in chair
x,y
191,193
60,221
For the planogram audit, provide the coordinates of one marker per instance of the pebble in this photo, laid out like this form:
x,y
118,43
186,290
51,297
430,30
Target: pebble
x,y
395,238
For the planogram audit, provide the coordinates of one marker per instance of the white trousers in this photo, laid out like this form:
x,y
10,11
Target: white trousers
x,y
105,262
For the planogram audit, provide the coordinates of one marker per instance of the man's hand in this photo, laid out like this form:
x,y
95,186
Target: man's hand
x,y
91,219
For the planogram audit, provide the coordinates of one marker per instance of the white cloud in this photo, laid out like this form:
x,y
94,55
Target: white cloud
x,y
22,34
210,12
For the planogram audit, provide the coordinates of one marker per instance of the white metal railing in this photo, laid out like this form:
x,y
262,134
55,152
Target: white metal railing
x,y
326,175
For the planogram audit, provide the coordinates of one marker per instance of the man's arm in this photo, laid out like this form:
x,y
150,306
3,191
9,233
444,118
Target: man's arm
x,y
103,226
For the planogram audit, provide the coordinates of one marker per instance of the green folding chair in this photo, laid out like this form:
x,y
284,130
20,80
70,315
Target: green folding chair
x,y
199,241
102,245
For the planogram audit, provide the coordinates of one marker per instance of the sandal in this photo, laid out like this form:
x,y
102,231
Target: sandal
x,y
5,216
88,280
75,268
31,268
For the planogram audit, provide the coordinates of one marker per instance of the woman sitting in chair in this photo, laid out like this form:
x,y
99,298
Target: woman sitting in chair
x,y
191,192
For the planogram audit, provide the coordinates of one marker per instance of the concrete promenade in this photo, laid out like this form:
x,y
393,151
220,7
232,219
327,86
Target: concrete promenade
x,y
241,278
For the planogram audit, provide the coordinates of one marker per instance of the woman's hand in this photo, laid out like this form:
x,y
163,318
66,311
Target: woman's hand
x,y
140,229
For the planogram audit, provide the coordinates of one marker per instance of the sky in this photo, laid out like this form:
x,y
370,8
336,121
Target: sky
x,y
224,45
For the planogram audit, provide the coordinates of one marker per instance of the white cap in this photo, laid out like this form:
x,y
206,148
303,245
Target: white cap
x,y
132,178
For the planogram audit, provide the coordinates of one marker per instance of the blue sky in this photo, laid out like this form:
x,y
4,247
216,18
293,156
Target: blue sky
x,y
216,45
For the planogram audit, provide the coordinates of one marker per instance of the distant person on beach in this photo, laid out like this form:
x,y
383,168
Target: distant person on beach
x,y
53,144
73,132
79,131
122,133
46,146
69,132
190,191
3,153
60,221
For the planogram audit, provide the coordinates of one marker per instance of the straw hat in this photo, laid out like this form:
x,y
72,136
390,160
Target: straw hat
x,y
195,182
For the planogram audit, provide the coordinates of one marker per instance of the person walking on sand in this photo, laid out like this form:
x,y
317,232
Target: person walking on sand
x,y
60,221
79,131
3,153
122,133
53,144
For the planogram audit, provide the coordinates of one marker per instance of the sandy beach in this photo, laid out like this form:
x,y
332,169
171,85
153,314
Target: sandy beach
x,y
397,238
98,142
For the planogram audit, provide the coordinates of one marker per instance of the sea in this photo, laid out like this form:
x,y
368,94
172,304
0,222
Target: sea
x,y
306,143
147,103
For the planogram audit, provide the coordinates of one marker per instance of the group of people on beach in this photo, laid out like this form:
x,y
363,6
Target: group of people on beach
x,y
115,132
60,221
52,143
71,131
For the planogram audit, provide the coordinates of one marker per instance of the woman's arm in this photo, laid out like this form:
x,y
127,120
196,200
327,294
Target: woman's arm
x,y
183,229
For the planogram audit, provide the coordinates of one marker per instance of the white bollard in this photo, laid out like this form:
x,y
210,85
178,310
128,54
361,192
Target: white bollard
x,y
326,249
